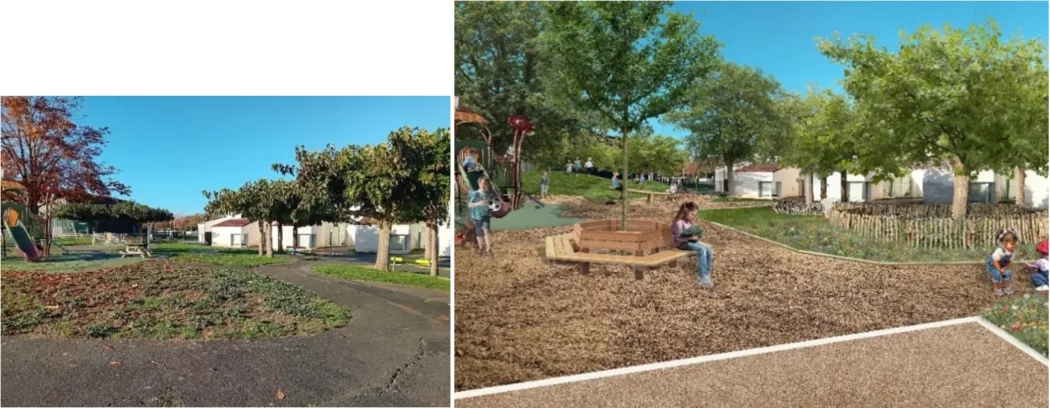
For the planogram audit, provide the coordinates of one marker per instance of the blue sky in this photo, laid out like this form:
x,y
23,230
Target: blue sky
x,y
168,149
778,37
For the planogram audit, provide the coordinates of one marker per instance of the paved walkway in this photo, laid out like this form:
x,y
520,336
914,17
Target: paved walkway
x,y
953,366
394,352
527,217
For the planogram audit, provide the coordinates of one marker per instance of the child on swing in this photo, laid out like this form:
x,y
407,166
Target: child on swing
x,y
1000,259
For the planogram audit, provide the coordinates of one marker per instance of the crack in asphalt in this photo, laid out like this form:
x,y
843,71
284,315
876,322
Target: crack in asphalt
x,y
392,384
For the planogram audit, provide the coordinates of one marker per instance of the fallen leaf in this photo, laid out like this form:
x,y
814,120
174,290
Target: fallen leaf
x,y
54,307
280,394
110,348
115,362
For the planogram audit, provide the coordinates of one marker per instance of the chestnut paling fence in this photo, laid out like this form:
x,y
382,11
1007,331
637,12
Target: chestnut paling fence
x,y
931,226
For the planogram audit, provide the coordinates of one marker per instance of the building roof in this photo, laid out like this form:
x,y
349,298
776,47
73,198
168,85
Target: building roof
x,y
233,222
759,168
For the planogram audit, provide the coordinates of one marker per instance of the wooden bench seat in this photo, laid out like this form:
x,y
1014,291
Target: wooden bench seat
x,y
563,248
650,194
135,250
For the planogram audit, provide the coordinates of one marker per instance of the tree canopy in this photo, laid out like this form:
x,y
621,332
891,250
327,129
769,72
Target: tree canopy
x,y
623,63
959,95
127,211
44,149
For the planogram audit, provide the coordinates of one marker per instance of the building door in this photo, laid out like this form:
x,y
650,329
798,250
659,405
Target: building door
x,y
236,240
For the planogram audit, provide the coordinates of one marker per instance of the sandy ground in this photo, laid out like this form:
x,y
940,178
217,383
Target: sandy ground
x,y
519,318
955,366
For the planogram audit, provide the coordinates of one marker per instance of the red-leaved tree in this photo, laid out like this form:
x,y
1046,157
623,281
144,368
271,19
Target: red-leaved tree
x,y
44,149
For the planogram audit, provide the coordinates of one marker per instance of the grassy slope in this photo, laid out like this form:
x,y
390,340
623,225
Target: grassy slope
x,y
362,273
813,233
591,187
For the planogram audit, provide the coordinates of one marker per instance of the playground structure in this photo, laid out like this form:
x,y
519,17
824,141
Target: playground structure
x,y
644,244
20,235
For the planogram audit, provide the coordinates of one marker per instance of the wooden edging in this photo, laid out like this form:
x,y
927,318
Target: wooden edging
x,y
846,258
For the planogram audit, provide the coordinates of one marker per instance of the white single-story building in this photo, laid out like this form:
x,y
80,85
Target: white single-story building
x,y
235,233
206,226
314,236
987,187
749,181
404,238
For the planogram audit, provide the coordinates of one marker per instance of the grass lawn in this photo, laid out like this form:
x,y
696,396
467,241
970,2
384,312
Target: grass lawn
x,y
187,247
728,199
69,263
591,187
362,273
246,260
161,299
73,241
814,233
1024,317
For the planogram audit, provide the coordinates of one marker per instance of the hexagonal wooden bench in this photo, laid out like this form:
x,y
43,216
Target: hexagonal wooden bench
x,y
648,244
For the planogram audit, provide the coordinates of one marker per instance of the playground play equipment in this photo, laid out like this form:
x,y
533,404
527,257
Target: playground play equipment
x,y
20,234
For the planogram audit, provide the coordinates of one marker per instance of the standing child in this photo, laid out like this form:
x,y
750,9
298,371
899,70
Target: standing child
x,y
544,183
478,202
1000,259
616,181
577,166
1040,278
568,168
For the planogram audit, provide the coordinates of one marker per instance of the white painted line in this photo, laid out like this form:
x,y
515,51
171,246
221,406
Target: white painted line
x,y
1013,340
704,359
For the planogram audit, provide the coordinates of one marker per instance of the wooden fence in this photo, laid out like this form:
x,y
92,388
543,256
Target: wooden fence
x,y
932,227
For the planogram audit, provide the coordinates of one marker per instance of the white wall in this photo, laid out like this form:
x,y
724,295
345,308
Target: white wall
x,y
220,236
745,184
324,235
206,226
834,182
938,186
365,238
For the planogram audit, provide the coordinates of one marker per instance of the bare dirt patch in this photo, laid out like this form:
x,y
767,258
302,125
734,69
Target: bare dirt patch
x,y
518,318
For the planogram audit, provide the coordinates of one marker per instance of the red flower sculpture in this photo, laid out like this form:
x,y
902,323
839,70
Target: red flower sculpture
x,y
519,123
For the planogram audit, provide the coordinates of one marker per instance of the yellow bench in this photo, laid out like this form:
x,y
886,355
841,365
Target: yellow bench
x,y
562,248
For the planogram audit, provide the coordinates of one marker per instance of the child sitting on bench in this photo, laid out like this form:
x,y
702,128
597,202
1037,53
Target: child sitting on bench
x,y
1041,269
686,236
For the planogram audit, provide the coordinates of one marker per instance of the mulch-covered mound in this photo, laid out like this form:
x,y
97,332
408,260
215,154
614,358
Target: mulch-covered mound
x,y
519,318
579,207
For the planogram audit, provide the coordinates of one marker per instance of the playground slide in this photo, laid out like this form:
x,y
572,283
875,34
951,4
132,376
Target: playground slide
x,y
23,242
471,180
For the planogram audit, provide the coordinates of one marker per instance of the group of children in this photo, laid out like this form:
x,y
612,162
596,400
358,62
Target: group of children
x,y
1001,258
577,166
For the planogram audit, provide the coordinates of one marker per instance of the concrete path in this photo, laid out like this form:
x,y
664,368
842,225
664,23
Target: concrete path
x,y
394,352
953,366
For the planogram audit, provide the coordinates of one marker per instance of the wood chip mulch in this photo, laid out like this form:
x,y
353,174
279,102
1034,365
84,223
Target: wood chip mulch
x,y
518,318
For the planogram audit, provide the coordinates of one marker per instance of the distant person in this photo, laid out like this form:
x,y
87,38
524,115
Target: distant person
x,y
998,262
589,166
568,168
576,166
616,182
686,236
544,184
672,189
481,215
1041,269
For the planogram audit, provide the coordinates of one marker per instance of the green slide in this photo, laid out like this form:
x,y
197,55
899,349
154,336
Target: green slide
x,y
23,242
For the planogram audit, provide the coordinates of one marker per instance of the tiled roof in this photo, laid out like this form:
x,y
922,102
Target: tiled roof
x,y
233,222
759,168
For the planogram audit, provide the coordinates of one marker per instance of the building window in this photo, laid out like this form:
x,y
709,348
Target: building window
x,y
1011,185
981,192
398,242
858,191
765,188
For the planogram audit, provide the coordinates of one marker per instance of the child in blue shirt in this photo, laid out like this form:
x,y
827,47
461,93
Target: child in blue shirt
x,y
1000,259
480,215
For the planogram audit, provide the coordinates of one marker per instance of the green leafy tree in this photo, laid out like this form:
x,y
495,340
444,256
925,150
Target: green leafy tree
x,y
948,96
430,204
730,116
623,62
378,183
498,74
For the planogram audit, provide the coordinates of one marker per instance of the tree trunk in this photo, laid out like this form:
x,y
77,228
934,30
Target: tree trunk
x,y
295,236
280,238
623,184
807,184
383,252
1019,176
434,245
823,186
262,239
843,186
960,189
269,240
730,188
